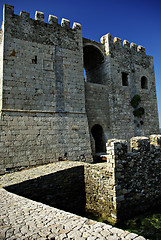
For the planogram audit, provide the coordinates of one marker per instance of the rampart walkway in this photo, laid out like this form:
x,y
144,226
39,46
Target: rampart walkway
x,y
22,218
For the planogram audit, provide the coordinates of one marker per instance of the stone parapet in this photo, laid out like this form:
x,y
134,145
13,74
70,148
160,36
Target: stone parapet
x,y
117,43
39,16
136,174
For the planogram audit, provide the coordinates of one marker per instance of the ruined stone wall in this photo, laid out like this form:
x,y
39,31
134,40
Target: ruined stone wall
x,y
137,174
43,106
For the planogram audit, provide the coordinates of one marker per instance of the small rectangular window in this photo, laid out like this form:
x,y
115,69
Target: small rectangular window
x,y
124,79
34,61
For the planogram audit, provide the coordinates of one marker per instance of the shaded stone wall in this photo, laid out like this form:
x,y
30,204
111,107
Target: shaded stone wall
x,y
97,107
137,174
63,189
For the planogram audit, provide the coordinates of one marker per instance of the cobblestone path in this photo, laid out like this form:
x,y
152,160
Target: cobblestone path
x,y
24,219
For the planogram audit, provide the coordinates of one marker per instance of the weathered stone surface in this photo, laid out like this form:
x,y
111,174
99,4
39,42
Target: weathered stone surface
x,y
48,112
64,225
136,174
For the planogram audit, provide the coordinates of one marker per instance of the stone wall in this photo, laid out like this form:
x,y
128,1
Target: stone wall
x,y
137,174
33,139
43,115
117,72
100,191
48,112
97,107
128,64
42,70
63,189
1,64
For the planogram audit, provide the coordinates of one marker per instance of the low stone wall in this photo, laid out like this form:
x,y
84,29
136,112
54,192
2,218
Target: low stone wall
x,y
22,218
64,189
100,191
72,186
137,174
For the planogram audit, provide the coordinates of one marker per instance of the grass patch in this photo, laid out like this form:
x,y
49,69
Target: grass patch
x,y
147,225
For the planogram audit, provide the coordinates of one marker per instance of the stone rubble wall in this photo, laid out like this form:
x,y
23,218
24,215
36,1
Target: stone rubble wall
x,y
100,191
72,186
137,174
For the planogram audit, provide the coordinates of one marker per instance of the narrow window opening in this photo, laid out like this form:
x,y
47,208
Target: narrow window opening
x,y
124,79
144,83
34,61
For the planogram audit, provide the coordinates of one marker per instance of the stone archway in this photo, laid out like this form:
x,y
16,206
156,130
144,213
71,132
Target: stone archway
x,y
93,59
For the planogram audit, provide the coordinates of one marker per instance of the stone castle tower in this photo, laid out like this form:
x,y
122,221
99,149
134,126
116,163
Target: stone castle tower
x,y
48,111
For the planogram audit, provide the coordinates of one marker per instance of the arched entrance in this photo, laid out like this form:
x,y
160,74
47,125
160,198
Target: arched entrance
x,y
98,135
93,59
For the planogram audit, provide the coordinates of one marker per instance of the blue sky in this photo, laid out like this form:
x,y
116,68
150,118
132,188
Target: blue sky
x,y
137,21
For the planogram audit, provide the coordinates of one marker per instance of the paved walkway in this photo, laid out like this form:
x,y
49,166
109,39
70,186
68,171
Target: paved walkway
x,y
24,219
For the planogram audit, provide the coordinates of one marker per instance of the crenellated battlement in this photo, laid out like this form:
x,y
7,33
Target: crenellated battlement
x,y
137,145
116,43
39,16
136,173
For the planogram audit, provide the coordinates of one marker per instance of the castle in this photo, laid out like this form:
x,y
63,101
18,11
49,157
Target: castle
x,y
49,112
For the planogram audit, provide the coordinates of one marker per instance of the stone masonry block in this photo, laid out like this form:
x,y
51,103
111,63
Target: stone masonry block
x,y
119,146
140,144
52,19
155,141
118,42
65,23
8,9
141,49
77,26
126,44
39,16
133,46
24,14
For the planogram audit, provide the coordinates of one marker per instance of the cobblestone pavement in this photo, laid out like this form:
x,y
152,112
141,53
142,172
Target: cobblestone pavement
x,y
35,172
24,219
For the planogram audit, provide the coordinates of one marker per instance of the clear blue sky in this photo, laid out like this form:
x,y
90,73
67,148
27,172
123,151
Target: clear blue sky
x,y
137,21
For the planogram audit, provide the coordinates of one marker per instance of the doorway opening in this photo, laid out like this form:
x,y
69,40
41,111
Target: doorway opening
x,y
98,135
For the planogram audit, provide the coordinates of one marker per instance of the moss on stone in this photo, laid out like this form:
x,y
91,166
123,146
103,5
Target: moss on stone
x,y
135,101
138,112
